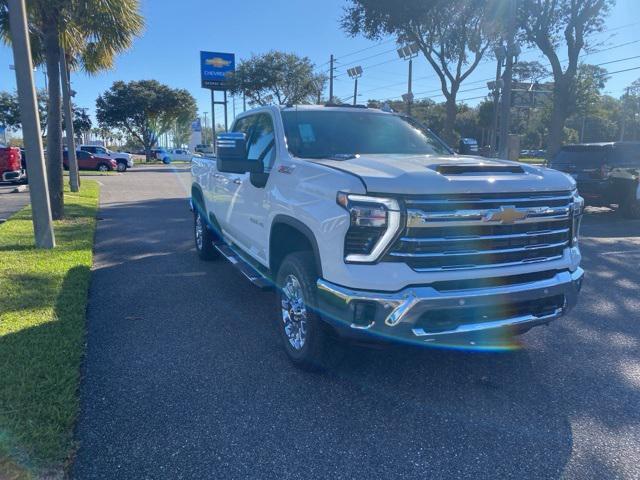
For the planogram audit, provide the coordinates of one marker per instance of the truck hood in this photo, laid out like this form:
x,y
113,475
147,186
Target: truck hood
x,y
433,174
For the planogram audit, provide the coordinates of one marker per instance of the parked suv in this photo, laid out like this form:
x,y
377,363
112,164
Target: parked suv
x,y
371,229
124,160
606,173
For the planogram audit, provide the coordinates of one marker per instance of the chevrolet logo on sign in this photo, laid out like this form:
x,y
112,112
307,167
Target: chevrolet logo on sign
x,y
217,62
506,215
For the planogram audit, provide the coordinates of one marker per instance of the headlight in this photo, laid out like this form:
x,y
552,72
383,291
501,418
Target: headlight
x,y
577,210
374,222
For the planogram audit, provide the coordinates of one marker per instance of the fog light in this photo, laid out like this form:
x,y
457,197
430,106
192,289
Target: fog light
x,y
364,314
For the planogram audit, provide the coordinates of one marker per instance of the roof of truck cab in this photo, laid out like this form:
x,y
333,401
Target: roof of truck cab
x,y
331,107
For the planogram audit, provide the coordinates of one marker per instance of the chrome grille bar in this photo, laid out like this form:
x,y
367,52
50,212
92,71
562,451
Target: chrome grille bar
x,y
469,238
479,252
420,219
493,265
504,201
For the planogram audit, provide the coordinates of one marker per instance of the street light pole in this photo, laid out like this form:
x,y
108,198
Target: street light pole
x,y
204,131
355,73
409,52
36,170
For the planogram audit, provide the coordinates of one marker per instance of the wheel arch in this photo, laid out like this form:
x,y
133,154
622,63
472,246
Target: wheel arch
x,y
298,237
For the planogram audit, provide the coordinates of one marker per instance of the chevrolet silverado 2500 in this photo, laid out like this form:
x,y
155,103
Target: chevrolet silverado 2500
x,y
370,228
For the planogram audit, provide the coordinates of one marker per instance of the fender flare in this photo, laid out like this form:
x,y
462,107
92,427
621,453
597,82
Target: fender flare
x,y
296,224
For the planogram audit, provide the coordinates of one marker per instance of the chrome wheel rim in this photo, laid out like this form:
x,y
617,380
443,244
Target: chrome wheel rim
x,y
102,168
121,167
294,312
199,232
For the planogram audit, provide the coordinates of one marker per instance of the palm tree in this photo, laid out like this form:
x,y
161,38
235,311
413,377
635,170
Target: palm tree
x,y
92,33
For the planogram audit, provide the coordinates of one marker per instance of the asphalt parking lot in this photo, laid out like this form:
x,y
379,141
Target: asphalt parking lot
x,y
185,378
11,202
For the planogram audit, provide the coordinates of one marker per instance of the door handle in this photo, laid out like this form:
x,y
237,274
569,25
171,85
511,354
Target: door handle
x,y
237,181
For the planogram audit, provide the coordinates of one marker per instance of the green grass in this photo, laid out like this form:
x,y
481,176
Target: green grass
x,y
43,296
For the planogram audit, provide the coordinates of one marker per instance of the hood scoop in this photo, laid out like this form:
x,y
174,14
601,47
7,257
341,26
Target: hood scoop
x,y
476,169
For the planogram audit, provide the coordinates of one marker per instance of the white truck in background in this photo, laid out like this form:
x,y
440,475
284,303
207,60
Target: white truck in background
x,y
372,229
124,160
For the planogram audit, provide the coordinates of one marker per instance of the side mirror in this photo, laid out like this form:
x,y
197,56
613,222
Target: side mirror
x,y
232,154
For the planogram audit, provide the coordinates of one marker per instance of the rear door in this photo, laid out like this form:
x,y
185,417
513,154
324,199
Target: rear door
x,y
586,166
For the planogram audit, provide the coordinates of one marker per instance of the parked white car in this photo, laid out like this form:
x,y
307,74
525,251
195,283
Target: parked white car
x,y
371,228
124,160
176,154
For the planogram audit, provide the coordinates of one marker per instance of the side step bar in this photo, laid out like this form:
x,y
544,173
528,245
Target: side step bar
x,y
253,275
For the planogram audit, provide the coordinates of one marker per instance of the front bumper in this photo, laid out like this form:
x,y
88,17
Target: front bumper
x,y
14,176
422,314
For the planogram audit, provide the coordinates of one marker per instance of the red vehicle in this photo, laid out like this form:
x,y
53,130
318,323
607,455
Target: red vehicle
x,y
88,161
11,165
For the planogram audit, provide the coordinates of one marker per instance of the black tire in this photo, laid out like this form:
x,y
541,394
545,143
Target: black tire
x,y
103,167
203,238
320,350
122,166
166,160
631,207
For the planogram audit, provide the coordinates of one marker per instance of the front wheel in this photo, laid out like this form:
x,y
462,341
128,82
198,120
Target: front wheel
x,y
103,167
308,341
122,167
166,160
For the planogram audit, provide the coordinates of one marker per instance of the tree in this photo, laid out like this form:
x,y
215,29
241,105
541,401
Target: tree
x,y
629,113
10,111
181,133
277,77
144,109
552,25
92,32
81,121
453,36
529,72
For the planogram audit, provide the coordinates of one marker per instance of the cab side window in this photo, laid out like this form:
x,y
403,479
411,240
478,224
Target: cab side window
x,y
262,142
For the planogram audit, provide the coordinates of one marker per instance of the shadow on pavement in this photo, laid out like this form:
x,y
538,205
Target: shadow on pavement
x,y
185,375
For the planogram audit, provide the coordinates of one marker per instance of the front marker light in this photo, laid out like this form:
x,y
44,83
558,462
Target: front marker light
x,y
368,213
578,211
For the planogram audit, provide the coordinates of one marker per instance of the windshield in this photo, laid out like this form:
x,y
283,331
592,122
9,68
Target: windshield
x,y
326,134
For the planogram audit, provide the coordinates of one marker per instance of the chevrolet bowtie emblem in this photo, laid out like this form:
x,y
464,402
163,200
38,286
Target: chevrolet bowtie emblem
x,y
506,215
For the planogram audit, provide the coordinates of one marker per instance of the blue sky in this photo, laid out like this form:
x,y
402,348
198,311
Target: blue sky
x,y
175,32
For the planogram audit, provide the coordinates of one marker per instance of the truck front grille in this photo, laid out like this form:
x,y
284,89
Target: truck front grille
x,y
479,231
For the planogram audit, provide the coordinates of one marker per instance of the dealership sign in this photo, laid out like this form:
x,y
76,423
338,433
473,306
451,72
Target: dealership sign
x,y
215,68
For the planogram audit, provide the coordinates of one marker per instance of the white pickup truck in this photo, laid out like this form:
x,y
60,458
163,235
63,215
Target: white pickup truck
x,y
372,229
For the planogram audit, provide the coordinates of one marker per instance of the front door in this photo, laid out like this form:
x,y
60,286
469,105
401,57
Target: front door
x,y
245,205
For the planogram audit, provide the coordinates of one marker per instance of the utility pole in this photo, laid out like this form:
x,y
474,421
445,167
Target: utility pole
x,y
495,86
36,170
331,79
512,51
74,177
